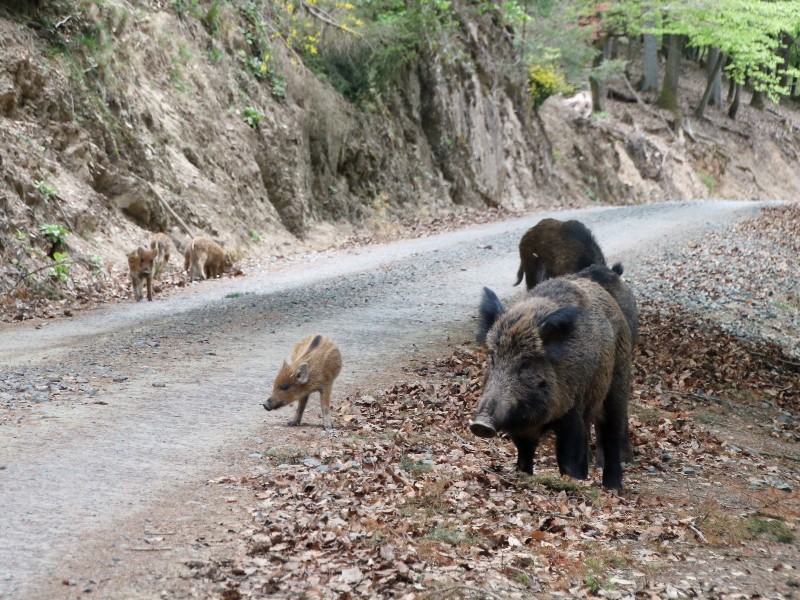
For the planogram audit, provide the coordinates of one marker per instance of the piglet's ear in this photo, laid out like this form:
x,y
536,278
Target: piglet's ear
x,y
556,328
302,374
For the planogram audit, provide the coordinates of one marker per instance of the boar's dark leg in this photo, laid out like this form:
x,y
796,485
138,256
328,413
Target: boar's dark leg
x,y
301,406
611,440
526,448
572,445
613,427
626,451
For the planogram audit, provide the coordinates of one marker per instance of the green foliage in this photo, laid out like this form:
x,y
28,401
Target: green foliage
x,y
554,33
279,86
252,117
47,191
707,179
543,82
55,234
379,40
748,31
61,269
97,265
253,235
212,20
186,7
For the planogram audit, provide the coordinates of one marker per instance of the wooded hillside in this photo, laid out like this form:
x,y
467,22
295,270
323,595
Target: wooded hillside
x,y
275,126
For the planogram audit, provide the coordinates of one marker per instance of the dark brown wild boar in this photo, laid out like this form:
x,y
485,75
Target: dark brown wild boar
x,y
140,262
560,361
553,248
205,259
162,244
313,366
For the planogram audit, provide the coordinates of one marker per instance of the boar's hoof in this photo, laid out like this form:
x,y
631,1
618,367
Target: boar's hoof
x,y
483,429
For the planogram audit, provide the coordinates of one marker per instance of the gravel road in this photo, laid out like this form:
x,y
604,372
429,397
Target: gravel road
x,y
104,414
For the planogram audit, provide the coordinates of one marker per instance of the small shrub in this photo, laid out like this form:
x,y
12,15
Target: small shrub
x,y
543,82
278,86
61,269
45,190
55,234
253,235
252,117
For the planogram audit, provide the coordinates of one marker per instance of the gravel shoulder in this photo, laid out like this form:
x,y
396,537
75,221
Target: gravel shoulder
x,y
171,393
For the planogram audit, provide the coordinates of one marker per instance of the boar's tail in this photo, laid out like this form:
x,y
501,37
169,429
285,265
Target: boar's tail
x,y
617,268
520,273
491,308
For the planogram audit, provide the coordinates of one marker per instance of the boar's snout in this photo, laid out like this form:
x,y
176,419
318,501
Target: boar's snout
x,y
268,404
483,428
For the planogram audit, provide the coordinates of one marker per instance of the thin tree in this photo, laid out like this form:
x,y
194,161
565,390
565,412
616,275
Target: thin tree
x,y
669,90
713,80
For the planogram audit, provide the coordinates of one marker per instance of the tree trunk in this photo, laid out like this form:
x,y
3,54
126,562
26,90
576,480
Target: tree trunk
x,y
711,65
712,82
731,89
757,101
650,68
735,104
597,85
669,90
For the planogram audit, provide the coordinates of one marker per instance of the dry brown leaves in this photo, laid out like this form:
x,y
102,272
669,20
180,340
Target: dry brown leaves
x,y
408,502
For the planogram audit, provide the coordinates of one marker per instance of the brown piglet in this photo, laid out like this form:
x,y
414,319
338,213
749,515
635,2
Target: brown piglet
x,y
141,262
162,244
205,259
314,365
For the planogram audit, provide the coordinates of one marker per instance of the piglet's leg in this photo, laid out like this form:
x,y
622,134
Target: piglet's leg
x,y
298,416
325,403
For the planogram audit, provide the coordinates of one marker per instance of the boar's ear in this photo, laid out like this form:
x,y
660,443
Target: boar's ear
x,y
302,374
491,308
555,328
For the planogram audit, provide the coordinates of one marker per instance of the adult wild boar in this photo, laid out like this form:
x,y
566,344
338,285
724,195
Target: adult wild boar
x,y
560,360
553,248
314,365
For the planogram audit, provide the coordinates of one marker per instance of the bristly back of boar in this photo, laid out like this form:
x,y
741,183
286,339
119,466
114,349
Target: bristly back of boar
x,y
559,360
611,282
553,248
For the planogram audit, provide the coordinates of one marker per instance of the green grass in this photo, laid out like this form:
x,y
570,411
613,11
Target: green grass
x,y
707,179
771,529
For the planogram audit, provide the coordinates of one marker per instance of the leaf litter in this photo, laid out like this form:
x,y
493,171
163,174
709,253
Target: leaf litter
x,y
404,502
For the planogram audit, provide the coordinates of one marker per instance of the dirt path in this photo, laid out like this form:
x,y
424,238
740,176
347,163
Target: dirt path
x,y
127,410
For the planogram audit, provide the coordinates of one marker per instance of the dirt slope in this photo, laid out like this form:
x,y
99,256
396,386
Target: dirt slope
x,y
121,118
